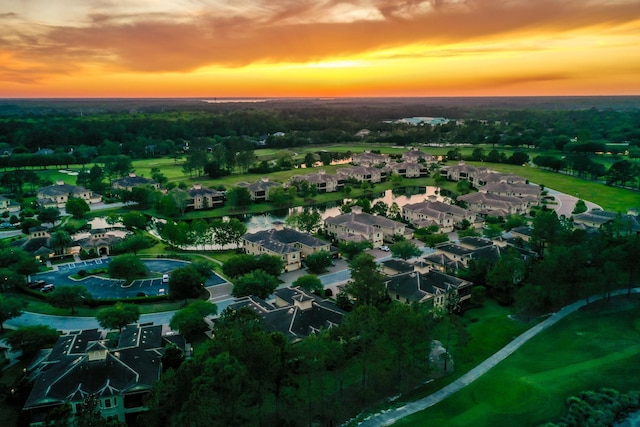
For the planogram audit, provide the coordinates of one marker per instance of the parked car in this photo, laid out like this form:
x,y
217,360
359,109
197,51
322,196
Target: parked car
x,y
385,248
162,292
48,288
37,284
165,278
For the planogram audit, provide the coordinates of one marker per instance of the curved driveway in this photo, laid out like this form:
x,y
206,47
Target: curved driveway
x,y
391,416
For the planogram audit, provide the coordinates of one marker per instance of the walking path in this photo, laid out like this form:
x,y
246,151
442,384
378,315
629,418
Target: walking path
x,y
391,416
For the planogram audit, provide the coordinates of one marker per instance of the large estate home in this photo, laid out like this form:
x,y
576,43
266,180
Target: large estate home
x,y
463,171
57,195
358,226
82,364
291,245
432,212
324,182
132,180
485,204
364,174
596,218
204,198
369,159
259,190
432,286
502,188
415,155
408,169
295,313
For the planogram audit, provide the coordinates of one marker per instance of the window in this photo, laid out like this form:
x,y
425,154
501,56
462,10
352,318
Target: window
x,y
106,403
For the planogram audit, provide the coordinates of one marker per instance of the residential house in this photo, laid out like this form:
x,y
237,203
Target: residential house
x,y
358,226
99,240
524,232
132,180
463,171
596,218
415,156
295,312
369,159
455,253
8,205
324,182
485,204
292,245
82,364
259,190
408,169
432,212
57,195
392,267
430,286
204,198
363,174
531,193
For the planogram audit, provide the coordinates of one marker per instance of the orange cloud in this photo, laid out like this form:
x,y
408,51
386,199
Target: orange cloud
x,y
103,42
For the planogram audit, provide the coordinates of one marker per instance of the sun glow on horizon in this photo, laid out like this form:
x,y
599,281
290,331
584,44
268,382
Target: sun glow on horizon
x,y
325,49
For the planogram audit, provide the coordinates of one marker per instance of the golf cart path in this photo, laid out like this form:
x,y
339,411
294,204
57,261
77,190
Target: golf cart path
x,y
390,416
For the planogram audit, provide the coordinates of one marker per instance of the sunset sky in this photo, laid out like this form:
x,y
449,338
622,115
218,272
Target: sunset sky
x,y
318,48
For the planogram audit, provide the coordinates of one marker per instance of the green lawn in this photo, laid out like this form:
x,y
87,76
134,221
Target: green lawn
x,y
595,348
610,198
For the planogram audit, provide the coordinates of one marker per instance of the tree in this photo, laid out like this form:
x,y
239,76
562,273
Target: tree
x,y
317,262
238,197
10,279
394,211
127,267
69,297
186,282
256,283
32,338
227,232
309,282
10,307
503,277
118,316
380,208
134,243
189,321
61,240
579,208
282,197
77,207
49,215
405,249
350,249
309,160
546,228
243,264
134,220
307,221
367,283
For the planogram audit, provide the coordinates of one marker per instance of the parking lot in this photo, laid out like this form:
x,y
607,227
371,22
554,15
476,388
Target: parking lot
x,y
100,287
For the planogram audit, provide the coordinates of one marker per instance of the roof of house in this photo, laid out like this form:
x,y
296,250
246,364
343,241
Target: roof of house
x,y
524,230
80,364
132,181
398,265
197,190
316,178
281,241
260,185
421,286
601,217
292,320
362,221
61,189
494,200
454,249
475,242
435,208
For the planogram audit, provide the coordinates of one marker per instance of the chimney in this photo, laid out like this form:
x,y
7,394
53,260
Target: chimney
x,y
356,209
197,187
132,174
264,179
59,182
432,198
278,225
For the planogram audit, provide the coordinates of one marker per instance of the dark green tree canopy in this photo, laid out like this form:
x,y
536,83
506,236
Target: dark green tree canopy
x,y
405,249
127,267
118,316
186,282
258,283
69,297
309,282
77,207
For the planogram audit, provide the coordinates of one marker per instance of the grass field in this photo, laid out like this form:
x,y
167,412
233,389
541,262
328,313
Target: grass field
x,y
593,348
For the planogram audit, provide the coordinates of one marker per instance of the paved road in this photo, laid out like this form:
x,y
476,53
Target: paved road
x,y
391,416
567,202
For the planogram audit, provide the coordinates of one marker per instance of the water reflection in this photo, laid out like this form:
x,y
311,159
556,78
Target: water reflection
x,y
401,196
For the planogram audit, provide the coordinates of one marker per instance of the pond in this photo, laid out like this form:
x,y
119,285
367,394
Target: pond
x,y
401,196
